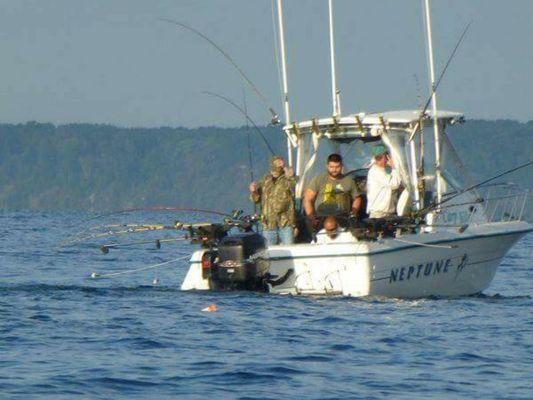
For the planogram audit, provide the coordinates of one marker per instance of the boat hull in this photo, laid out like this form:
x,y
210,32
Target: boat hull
x,y
443,263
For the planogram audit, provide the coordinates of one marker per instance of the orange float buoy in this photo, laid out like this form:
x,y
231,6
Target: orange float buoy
x,y
210,308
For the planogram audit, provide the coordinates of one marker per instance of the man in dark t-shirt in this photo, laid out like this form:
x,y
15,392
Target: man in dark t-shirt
x,y
331,193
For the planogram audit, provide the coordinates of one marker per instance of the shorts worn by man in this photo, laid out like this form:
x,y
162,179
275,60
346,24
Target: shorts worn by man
x,y
275,192
331,193
382,184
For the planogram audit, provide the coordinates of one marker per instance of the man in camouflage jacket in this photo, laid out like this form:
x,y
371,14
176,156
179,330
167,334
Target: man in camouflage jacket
x,y
275,192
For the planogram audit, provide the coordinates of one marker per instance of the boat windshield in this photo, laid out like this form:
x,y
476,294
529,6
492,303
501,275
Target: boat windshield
x,y
357,156
455,176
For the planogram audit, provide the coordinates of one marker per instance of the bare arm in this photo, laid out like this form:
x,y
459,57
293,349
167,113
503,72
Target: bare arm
x,y
255,191
309,202
356,205
395,181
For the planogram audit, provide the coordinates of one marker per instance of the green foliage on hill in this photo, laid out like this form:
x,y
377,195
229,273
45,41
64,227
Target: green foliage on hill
x,y
102,167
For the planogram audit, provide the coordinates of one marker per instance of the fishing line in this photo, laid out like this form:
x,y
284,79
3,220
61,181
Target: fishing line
x,y
95,275
111,226
139,229
250,155
159,208
245,115
434,205
248,143
437,83
84,235
262,98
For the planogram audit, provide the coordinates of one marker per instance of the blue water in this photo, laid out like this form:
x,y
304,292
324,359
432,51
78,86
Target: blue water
x,y
65,335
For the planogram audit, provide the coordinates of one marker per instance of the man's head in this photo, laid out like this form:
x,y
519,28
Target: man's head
x,y
277,165
380,153
331,226
334,166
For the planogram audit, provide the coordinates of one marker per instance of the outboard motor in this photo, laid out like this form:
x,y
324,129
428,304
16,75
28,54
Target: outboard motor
x,y
236,267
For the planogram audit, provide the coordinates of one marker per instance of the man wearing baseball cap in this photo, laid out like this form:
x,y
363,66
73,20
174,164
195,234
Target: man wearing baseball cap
x,y
382,184
275,193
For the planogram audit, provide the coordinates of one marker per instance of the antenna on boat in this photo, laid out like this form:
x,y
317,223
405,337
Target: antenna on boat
x,y
262,98
432,100
286,105
335,92
436,132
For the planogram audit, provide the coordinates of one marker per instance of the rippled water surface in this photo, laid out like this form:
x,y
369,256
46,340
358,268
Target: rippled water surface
x,y
65,335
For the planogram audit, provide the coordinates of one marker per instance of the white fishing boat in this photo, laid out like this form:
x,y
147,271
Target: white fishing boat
x,y
448,238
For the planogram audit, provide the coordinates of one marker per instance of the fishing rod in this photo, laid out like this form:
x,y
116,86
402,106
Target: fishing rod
x,y
435,205
160,208
106,247
231,220
437,83
248,143
275,117
245,115
108,228
129,230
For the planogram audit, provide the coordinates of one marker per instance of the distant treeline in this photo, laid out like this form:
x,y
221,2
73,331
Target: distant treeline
x,y
102,167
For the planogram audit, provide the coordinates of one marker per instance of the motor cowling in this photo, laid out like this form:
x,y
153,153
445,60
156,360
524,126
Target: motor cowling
x,y
238,265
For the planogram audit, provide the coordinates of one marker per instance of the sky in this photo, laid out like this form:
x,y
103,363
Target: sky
x,y
114,62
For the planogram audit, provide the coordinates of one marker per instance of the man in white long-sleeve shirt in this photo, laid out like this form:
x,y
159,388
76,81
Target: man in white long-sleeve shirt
x,y
382,184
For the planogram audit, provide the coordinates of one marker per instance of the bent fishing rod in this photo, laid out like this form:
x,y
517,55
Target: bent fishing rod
x,y
438,204
437,83
275,117
160,208
248,142
229,101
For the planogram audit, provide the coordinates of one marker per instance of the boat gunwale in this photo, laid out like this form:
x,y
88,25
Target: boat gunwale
x,y
390,250
406,247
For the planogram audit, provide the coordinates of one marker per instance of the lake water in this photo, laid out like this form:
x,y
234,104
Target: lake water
x,y
64,335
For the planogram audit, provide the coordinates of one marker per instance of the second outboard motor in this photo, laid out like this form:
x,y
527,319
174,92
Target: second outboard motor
x,y
236,267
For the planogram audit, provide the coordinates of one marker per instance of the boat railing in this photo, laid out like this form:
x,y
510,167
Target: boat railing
x,y
505,202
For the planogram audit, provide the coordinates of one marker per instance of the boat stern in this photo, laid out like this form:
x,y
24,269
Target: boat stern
x,y
195,280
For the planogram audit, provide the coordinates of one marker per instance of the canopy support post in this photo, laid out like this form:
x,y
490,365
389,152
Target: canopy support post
x,y
438,174
414,173
286,105
335,92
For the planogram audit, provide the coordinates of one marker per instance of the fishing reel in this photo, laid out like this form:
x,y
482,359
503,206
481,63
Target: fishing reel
x,y
377,228
243,222
208,234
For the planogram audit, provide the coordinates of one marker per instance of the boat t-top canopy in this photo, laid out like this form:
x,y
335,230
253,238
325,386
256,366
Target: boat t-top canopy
x,y
369,127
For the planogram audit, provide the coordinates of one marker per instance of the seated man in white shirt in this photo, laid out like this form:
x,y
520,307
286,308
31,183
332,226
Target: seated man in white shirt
x,y
332,233
382,184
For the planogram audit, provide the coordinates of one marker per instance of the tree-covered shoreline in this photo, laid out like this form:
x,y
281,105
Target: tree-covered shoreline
x,y
102,167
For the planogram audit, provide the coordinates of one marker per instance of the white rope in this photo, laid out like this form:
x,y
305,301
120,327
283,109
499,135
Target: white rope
x,y
426,244
95,275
